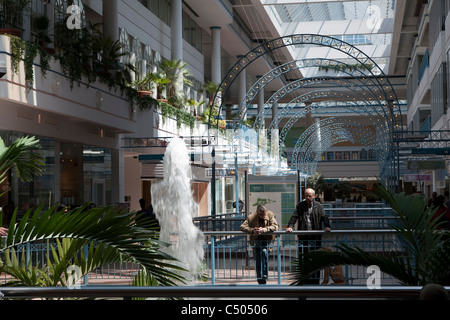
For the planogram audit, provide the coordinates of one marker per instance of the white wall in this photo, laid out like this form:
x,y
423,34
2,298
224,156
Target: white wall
x,y
142,23
133,181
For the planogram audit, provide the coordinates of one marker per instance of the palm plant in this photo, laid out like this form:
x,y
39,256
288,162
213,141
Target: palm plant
x,y
12,13
317,182
21,156
150,80
87,239
211,88
426,250
175,71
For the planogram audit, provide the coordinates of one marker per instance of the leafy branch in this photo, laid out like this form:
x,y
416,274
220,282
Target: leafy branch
x,y
425,255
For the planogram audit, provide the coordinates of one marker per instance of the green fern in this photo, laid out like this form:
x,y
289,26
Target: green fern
x,y
109,234
426,251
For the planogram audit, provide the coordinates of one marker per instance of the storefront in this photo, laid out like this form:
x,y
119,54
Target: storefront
x,y
74,174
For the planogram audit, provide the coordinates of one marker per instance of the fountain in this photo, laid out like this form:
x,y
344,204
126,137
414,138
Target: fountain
x,y
174,207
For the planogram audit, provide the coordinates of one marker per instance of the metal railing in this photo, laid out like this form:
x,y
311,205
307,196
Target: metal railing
x,y
229,255
347,218
272,292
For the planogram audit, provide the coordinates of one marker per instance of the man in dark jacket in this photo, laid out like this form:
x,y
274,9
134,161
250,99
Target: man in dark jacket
x,y
309,215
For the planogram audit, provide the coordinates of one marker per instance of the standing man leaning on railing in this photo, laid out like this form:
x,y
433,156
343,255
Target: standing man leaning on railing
x,y
309,215
258,225
3,232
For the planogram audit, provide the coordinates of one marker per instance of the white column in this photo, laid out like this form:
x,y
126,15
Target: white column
x,y
26,24
177,30
51,23
111,19
57,173
242,90
118,174
216,72
260,98
274,112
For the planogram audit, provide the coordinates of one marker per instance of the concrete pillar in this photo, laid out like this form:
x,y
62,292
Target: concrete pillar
x,y
176,16
51,23
260,98
216,72
118,174
242,90
57,173
274,112
26,24
111,19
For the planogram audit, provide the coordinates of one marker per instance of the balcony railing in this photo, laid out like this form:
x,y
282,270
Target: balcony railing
x,y
424,65
229,257
347,218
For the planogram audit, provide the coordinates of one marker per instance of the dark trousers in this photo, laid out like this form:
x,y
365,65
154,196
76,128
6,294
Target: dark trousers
x,y
261,254
306,244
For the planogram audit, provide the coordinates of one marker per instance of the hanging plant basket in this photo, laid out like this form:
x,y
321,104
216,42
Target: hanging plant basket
x,y
11,31
144,93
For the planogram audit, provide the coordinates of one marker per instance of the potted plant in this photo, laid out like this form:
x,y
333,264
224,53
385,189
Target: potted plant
x,y
143,87
211,88
175,71
11,16
41,24
108,54
195,107
161,81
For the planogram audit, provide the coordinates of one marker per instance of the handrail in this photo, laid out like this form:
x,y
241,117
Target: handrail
x,y
301,232
112,291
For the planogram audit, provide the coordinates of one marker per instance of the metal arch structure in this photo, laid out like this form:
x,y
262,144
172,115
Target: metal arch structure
x,y
302,83
365,133
361,109
324,94
356,74
311,143
308,166
385,91
313,39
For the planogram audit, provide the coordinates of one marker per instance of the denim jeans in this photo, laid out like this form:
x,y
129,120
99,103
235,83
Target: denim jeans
x,y
261,255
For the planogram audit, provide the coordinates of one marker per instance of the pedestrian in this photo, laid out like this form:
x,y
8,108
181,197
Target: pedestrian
x,y
441,214
309,215
146,217
3,232
259,225
241,205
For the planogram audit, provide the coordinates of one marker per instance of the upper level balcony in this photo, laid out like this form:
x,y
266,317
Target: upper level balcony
x,y
38,92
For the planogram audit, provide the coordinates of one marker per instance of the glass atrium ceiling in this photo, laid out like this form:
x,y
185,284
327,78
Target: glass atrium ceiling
x,y
368,25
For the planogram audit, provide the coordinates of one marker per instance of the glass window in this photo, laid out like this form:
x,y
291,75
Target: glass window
x,y
26,195
144,3
154,6
97,175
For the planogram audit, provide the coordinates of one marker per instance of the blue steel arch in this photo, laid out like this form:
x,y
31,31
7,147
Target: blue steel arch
x,y
387,92
312,39
316,62
381,126
275,73
311,139
319,94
